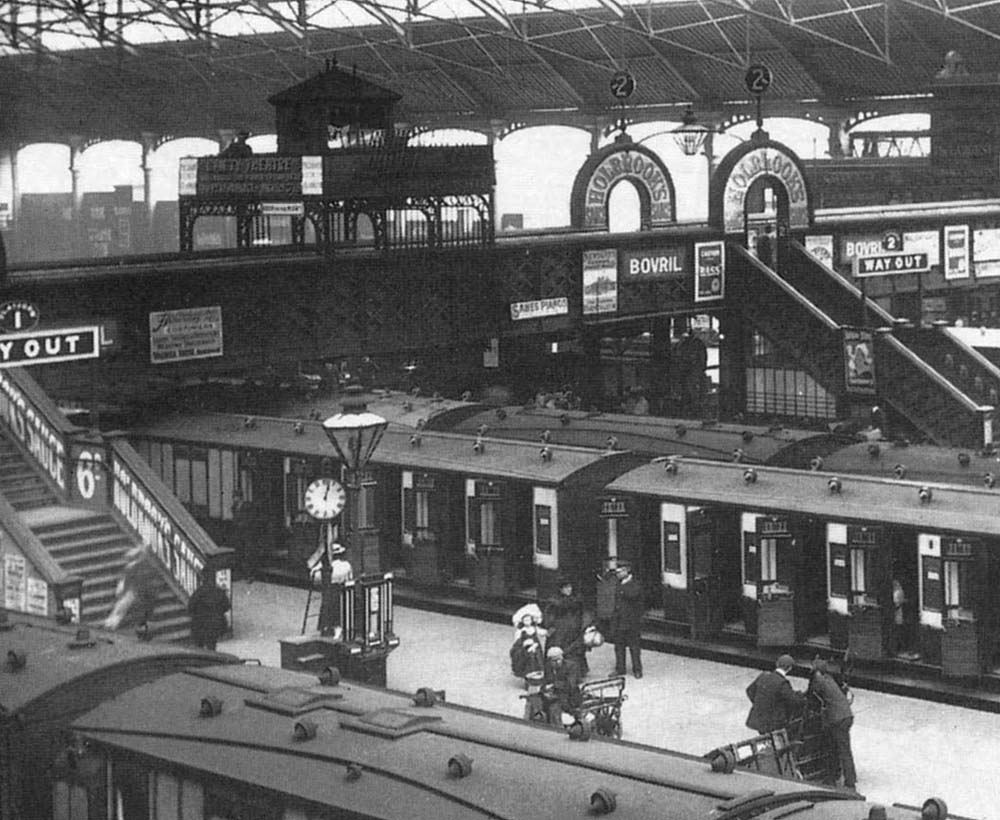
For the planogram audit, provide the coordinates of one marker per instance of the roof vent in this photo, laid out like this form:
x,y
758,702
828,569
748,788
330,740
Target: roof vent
x,y
415,440
478,447
304,730
835,485
925,495
82,639
963,459
989,480
874,450
816,463
299,428
354,771
603,801
425,696
546,453
210,706
460,766
546,436
501,414
738,455
934,808
681,430
750,475
900,471
330,676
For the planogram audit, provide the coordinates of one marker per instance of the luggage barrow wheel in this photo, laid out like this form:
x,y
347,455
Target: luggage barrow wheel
x,y
608,719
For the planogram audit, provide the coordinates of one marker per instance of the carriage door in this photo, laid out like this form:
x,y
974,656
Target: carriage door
x,y
484,542
775,582
869,624
421,536
707,600
963,573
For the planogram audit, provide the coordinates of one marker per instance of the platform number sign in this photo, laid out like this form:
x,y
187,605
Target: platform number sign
x,y
622,85
90,476
18,316
892,241
758,78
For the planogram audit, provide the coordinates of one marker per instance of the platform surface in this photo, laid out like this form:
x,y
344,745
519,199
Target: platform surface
x,y
906,750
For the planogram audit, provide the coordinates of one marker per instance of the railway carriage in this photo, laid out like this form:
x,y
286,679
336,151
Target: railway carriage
x,y
492,516
258,743
51,674
779,557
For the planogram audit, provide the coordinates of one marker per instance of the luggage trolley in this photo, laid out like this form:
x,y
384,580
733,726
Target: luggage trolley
x,y
600,707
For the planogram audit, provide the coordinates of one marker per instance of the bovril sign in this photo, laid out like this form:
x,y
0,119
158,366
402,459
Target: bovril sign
x,y
659,263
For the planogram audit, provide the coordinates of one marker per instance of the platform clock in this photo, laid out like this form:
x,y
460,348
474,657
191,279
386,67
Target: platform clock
x,y
325,498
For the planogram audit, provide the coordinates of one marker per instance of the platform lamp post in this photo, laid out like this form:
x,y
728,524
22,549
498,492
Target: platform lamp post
x,y
354,434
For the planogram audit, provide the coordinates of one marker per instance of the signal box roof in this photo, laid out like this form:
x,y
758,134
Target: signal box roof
x,y
334,85
861,499
403,752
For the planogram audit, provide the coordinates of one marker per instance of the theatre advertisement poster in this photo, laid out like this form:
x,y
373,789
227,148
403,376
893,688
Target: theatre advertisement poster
x,y
600,281
859,361
180,335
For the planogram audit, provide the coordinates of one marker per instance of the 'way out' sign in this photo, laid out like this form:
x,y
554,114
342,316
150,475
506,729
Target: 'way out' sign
x,y
890,263
48,346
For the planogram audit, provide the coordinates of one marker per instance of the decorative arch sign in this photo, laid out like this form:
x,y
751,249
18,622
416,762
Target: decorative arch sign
x,y
742,168
623,161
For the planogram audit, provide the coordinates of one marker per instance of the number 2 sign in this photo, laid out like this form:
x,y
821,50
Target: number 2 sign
x,y
758,78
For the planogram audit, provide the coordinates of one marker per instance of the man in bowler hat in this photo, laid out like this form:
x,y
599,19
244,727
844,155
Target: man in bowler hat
x,y
775,701
626,621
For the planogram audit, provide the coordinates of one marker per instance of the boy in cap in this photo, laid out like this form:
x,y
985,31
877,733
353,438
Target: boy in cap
x,y
774,700
561,685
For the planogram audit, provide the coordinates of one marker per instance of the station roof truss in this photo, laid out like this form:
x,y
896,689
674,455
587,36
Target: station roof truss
x,y
186,68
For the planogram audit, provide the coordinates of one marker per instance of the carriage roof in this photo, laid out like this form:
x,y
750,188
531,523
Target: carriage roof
x,y
862,499
57,662
430,451
650,435
519,769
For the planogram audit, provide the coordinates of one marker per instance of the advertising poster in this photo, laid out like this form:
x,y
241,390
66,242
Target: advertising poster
x,y
821,248
709,271
600,282
859,361
928,242
38,597
180,335
660,263
956,252
15,573
986,252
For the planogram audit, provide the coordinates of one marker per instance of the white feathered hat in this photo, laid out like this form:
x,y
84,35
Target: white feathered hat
x,y
527,611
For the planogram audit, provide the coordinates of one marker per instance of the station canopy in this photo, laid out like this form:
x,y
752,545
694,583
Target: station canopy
x,y
104,69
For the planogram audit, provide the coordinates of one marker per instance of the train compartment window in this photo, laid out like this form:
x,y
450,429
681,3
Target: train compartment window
x,y
859,578
932,598
612,537
670,547
750,558
222,804
543,529
839,578
296,481
191,477
958,571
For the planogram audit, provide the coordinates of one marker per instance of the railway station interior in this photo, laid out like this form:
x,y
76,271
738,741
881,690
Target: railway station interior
x,y
482,297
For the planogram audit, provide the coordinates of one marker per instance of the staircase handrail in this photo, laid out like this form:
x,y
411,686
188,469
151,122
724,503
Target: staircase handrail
x,y
21,399
870,304
33,549
151,510
972,353
932,373
765,271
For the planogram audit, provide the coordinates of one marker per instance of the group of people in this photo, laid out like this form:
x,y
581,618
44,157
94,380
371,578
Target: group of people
x,y
776,705
550,647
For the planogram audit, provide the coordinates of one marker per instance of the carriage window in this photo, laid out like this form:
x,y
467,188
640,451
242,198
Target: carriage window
x,y
191,476
859,578
225,805
768,560
296,481
488,535
612,537
750,557
422,509
671,547
543,529
957,583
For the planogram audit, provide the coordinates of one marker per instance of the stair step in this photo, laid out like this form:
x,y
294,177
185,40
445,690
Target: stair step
x,y
68,550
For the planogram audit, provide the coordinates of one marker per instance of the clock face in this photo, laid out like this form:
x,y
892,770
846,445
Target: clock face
x,y
325,498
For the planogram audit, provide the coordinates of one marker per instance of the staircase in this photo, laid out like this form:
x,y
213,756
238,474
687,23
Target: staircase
x,y
20,483
86,543
938,387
